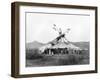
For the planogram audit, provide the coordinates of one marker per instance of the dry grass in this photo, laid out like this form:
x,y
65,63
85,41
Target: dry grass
x,y
33,58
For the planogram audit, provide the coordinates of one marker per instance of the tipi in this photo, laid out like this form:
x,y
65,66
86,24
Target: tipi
x,y
60,44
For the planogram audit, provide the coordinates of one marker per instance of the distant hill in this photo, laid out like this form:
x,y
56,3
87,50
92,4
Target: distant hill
x,y
34,45
83,45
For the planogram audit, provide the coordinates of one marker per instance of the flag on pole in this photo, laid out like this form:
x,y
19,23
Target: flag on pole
x,y
68,30
54,27
54,24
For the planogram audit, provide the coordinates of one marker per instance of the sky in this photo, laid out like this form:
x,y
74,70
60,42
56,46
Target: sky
x,y
39,27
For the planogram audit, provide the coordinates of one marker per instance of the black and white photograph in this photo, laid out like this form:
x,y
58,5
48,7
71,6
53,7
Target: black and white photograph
x,y
52,39
56,39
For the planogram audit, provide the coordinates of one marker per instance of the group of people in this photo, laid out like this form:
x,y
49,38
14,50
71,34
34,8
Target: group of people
x,y
61,51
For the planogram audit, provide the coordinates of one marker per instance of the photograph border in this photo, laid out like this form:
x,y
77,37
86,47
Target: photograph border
x,y
15,40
